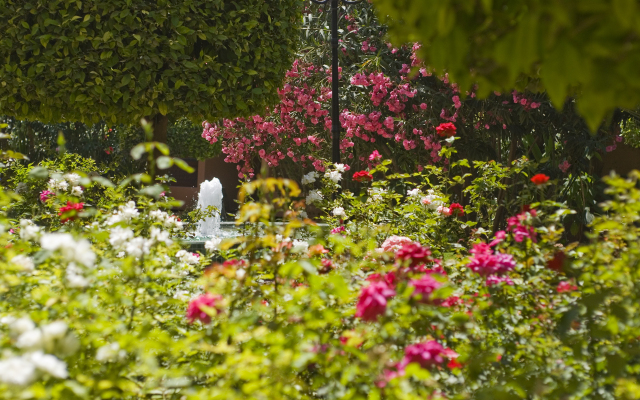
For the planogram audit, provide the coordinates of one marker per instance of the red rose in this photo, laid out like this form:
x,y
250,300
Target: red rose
x,y
414,254
539,179
362,176
446,130
456,210
70,211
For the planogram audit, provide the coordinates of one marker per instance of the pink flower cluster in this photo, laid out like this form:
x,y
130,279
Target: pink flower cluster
x,y
394,243
45,195
527,104
200,307
424,287
490,264
519,226
427,354
372,301
413,255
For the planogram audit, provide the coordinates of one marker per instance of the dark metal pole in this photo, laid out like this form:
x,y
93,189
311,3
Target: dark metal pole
x,y
335,84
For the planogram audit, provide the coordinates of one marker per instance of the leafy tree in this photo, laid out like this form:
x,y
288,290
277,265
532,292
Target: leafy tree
x,y
121,60
564,47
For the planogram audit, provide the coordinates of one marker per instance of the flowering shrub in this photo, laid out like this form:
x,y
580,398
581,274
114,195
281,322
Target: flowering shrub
x,y
393,299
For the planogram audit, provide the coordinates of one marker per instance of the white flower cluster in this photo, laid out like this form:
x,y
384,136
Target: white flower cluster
x,y
213,244
309,178
339,212
110,352
336,175
125,213
63,183
376,193
160,236
431,200
123,239
24,262
413,192
188,257
74,252
299,246
29,230
313,196
26,368
168,221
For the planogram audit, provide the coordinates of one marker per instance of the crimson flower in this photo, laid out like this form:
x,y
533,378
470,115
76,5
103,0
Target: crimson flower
x,y
539,179
446,129
424,287
70,211
200,307
362,176
373,301
456,210
414,253
426,354
565,286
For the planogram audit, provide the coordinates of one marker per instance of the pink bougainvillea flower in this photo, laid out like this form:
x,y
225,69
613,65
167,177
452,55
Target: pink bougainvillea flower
x,y
338,229
539,179
564,287
413,254
427,354
200,307
446,129
372,301
45,195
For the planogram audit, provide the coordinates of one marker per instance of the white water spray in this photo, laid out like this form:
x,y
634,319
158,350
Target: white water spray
x,y
210,195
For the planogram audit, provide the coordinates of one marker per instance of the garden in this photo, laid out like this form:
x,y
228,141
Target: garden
x,y
471,241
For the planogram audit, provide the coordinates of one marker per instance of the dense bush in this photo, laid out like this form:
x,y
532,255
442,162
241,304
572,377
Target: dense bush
x,y
404,295
120,61
105,144
391,103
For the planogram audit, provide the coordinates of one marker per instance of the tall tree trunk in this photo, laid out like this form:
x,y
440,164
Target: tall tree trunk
x,y
160,124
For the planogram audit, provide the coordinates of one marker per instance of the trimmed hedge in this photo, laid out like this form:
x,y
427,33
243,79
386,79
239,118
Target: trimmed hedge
x,y
120,60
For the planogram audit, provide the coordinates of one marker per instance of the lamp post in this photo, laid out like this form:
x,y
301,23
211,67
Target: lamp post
x,y
335,78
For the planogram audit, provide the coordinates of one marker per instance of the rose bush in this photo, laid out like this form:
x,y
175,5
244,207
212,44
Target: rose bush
x,y
395,298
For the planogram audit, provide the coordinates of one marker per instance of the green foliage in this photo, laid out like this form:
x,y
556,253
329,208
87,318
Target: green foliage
x,y
121,60
502,45
630,131
107,293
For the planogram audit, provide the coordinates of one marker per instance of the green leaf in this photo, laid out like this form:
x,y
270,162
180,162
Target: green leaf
x,y
164,162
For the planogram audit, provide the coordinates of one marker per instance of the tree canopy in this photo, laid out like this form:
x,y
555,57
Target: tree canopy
x,y
120,60
566,47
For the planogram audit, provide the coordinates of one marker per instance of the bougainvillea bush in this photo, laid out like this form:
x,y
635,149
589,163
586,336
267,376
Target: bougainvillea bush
x,y
404,294
390,102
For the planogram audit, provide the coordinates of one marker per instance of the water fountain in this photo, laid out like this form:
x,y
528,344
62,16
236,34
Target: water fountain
x,y
210,195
